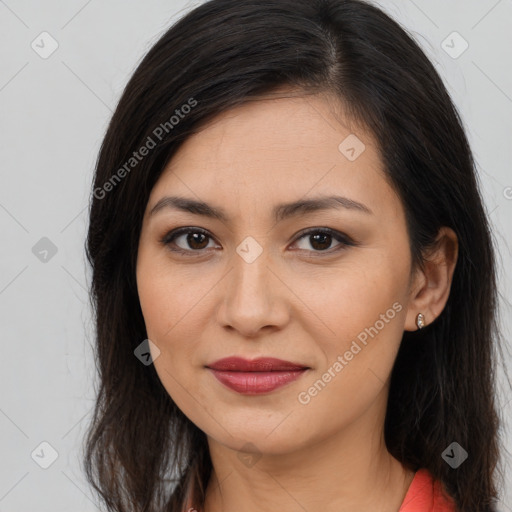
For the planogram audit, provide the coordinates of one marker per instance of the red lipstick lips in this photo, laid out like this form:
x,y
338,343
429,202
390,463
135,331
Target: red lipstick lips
x,y
258,376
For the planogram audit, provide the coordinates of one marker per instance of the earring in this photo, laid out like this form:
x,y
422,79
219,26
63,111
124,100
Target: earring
x,y
420,321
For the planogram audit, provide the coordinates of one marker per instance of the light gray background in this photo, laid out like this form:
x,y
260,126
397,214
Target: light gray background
x,y
54,112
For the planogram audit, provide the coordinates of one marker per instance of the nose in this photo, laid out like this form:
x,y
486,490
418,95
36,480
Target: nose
x,y
253,298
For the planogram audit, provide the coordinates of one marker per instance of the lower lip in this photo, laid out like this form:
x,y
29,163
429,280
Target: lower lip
x,y
255,383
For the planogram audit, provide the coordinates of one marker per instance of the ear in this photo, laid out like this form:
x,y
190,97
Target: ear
x,y
430,285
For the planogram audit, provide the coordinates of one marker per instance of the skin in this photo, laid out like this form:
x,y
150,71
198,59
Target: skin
x,y
295,301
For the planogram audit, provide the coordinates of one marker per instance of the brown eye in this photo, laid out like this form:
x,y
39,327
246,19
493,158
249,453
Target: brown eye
x,y
196,240
320,240
187,239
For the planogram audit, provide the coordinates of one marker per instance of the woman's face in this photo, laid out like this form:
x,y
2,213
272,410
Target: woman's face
x,y
253,283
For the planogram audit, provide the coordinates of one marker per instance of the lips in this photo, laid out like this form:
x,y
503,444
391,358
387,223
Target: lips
x,y
262,364
255,376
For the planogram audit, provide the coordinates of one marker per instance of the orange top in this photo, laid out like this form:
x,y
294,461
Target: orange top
x,y
424,495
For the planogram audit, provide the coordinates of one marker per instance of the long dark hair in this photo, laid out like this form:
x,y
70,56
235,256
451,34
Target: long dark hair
x,y
141,450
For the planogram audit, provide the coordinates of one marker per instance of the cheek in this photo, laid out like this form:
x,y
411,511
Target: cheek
x,y
173,306
364,309
168,326
174,326
169,296
353,296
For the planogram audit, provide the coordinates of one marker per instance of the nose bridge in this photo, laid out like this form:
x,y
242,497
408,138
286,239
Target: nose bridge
x,y
253,293
250,277
251,264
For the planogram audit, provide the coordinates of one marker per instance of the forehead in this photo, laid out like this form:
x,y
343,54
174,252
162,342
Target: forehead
x,y
282,129
278,149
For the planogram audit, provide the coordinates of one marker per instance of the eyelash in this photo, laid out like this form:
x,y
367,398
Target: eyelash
x,y
344,240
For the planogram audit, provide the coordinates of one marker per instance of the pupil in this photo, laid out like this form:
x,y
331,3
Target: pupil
x,y
324,240
193,239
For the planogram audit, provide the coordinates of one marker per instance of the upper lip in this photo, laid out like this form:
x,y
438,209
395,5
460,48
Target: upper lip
x,y
262,364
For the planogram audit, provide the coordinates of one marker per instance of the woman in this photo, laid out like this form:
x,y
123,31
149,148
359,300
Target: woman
x,y
293,273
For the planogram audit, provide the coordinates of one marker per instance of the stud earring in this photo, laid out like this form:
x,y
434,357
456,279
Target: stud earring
x,y
420,321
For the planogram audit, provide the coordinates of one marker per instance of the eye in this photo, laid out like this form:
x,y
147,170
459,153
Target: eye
x,y
188,240
191,239
320,239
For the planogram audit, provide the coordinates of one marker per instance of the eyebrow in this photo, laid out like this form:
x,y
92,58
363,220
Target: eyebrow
x,y
279,212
